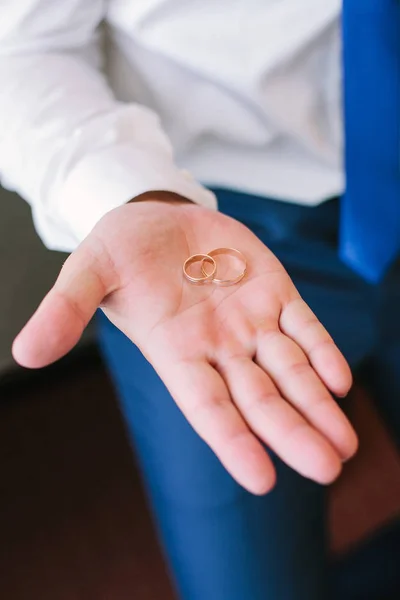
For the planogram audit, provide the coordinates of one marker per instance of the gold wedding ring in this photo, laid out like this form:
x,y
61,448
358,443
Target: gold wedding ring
x,y
197,258
231,252
209,258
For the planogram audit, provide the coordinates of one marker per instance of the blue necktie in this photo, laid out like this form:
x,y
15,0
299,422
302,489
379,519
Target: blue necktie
x,y
370,211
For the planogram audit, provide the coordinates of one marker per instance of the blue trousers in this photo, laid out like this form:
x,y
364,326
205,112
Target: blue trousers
x,y
221,542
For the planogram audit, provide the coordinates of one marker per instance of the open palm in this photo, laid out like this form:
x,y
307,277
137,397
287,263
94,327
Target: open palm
x,y
246,364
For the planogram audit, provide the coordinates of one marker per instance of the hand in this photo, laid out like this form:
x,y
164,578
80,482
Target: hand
x,y
244,363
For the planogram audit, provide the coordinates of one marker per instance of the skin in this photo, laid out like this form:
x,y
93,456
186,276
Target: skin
x,y
245,364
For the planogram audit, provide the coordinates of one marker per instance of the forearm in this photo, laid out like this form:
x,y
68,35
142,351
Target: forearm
x,y
66,144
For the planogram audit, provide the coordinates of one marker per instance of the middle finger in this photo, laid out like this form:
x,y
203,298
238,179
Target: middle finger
x,y
277,423
299,384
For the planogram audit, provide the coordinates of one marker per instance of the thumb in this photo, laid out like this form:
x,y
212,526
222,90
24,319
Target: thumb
x,y
58,323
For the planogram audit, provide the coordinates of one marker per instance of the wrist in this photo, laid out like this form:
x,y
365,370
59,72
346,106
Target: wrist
x,y
161,196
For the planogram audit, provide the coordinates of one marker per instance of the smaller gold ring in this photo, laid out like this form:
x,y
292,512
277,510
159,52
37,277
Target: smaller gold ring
x,y
196,258
231,252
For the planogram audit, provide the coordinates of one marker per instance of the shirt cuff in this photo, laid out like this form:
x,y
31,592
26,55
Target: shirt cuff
x,y
109,178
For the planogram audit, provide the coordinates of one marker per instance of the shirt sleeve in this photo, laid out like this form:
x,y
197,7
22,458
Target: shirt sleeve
x,y
66,144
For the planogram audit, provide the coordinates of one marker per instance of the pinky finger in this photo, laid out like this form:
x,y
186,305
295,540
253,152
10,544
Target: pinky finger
x,y
298,322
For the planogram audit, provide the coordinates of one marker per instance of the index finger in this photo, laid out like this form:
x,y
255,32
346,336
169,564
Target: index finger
x,y
203,397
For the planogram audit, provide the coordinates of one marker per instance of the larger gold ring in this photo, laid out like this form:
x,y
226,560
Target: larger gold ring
x,y
232,252
196,258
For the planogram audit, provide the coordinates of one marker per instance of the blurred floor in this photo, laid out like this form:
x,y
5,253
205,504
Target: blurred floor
x,y
73,519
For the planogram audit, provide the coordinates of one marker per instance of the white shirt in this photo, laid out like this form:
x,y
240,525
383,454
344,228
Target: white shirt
x,y
95,94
